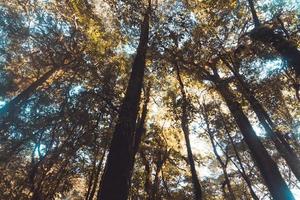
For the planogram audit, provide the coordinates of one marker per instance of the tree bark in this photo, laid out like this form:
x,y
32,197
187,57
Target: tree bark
x,y
140,130
268,168
115,181
280,143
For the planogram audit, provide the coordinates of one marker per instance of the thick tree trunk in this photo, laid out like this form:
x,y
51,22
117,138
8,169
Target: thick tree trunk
x,y
140,129
12,106
115,181
186,131
281,144
268,168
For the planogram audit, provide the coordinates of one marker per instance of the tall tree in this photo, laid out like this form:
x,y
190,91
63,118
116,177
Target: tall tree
x,y
268,168
184,118
280,142
115,181
72,86
223,164
242,170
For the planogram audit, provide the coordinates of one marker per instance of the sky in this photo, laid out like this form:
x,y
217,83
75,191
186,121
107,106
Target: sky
x,y
200,145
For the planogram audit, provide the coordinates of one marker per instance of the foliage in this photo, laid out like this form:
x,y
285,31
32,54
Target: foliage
x,y
56,134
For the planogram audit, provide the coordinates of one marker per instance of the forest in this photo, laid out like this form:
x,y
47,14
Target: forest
x,y
149,99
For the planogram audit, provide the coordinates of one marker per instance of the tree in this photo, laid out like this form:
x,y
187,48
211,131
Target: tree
x,y
119,161
185,128
122,99
287,49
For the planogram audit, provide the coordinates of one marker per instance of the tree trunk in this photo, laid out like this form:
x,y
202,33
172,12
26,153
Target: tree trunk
x,y
186,131
115,181
223,165
95,181
140,131
91,179
268,168
147,185
159,165
12,106
242,171
281,144
287,49
254,14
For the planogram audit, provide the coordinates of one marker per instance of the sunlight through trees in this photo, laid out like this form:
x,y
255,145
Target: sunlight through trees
x,y
150,99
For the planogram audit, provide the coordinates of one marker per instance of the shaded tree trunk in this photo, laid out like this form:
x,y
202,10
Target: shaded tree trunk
x,y
115,181
242,169
90,195
159,165
140,131
223,165
280,143
186,131
12,106
147,185
91,179
278,139
268,168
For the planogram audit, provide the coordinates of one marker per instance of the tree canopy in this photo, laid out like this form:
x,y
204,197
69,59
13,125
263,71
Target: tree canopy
x,y
150,99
